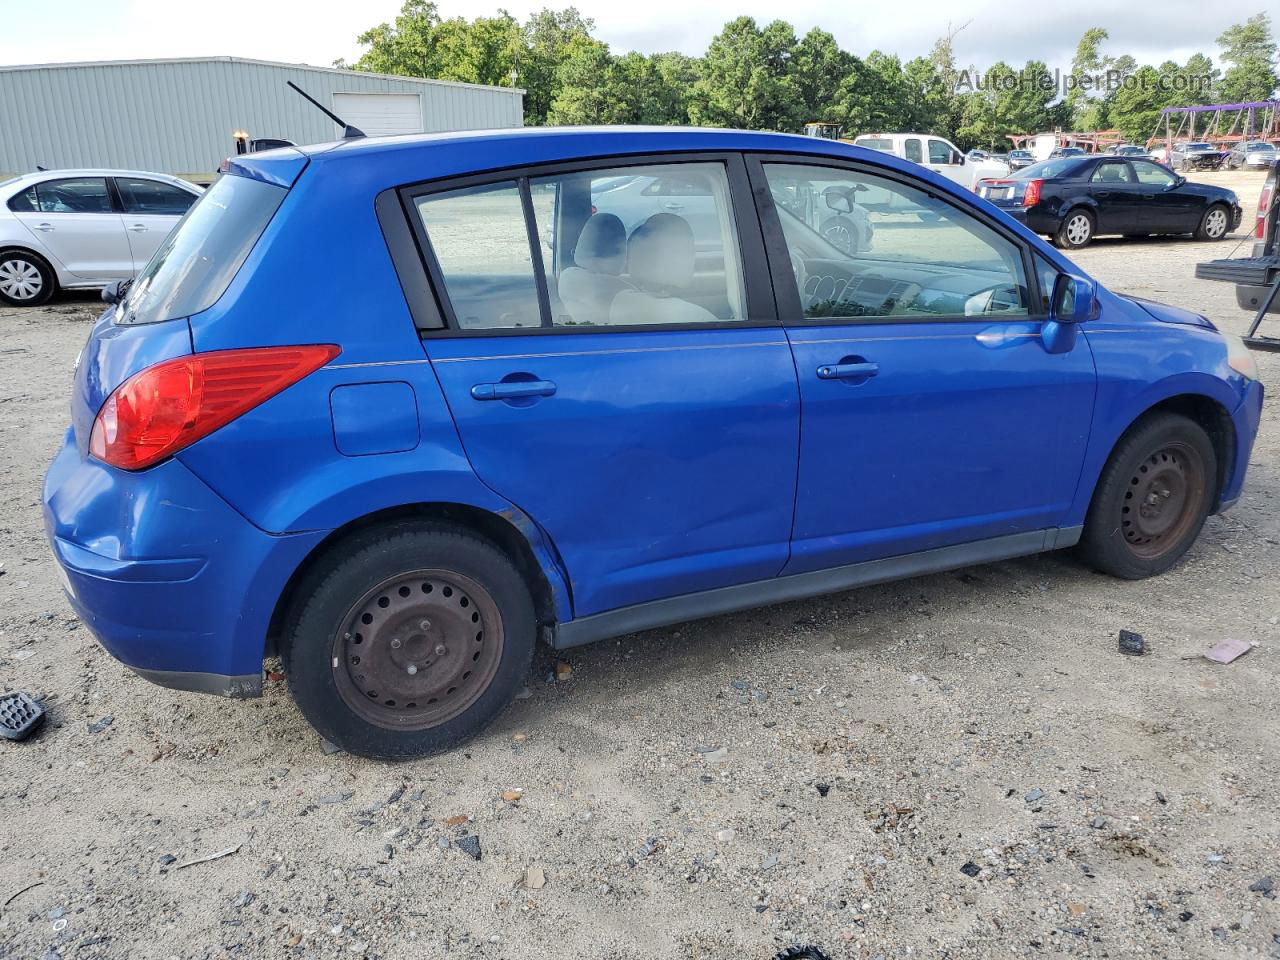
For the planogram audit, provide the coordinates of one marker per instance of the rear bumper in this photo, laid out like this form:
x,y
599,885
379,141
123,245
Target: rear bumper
x,y
171,580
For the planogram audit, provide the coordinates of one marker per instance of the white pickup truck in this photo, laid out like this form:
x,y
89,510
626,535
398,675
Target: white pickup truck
x,y
936,153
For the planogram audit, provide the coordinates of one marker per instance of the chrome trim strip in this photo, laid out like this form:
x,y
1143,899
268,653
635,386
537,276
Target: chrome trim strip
x,y
605,353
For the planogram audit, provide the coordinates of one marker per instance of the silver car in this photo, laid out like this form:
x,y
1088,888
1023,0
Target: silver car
x,y
1257,154
78,229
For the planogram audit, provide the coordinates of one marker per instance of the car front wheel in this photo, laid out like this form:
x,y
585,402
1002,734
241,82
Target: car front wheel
x,y
409,640
1214,224
1076,230
1152,498
25,279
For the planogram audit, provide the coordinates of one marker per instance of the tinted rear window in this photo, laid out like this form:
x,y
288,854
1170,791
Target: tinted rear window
x,y
195,265
1062,167
874,143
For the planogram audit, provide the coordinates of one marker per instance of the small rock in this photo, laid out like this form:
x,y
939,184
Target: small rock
x,y
470,845
444,843
971,869
457,821
525,693
535,878
718,755
1264,886
726,835
1034,795
512,796
57,913
243,900
100,725
329,748
167,859
823,789
1076,909
395,834
769,862
1098,823
563,670
340,797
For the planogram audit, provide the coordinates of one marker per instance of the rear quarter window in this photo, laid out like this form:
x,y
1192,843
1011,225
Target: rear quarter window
x,y
196,264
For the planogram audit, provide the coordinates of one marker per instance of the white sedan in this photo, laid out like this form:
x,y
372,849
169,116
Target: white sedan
x,y
77,229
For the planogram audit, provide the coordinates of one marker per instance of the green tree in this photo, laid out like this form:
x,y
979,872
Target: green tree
x,y
819,70
1088,62
1251,51
743,81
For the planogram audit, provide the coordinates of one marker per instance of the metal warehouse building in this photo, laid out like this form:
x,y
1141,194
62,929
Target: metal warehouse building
x,y
179,116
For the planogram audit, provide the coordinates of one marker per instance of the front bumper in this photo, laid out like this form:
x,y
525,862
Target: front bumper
x,y
173,582
1245,418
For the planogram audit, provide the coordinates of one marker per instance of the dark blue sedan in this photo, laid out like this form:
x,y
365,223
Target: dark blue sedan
x,y
1074,199
398,410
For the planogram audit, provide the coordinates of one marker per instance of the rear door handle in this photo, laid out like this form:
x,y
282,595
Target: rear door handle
x,y
513,389
44,227
139,228
847,371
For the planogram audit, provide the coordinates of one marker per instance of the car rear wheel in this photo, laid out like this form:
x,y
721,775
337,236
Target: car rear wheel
x,y
1214,223
1152,498
25,279
409,640
1076,230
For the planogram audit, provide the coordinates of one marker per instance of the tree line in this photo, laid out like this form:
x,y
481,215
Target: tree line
x,y
767,78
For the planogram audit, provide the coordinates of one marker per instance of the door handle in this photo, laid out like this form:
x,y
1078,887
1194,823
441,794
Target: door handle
x,y
139,228
847,371
44,227
673,206
513,389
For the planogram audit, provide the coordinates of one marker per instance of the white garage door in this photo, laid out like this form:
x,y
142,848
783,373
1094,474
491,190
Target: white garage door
x,y
380,114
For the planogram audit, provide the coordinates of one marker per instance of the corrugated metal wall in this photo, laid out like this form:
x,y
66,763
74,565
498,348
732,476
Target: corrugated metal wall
x,y
178,116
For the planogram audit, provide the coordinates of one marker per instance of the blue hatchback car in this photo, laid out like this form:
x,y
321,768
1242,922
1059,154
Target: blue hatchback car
x,y
395,409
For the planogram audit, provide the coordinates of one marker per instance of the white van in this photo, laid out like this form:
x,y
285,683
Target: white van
x,y
937,153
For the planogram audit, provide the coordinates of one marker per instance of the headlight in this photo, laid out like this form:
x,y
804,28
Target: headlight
x,y
1239,357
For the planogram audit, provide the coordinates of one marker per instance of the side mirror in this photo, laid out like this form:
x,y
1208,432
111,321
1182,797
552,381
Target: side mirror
x,y
958,158
1072,303
111,293
837,200
1177,182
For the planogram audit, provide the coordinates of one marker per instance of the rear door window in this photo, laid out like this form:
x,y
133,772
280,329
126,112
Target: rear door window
x,y
196,263
913,151
481,243
72,195
143,196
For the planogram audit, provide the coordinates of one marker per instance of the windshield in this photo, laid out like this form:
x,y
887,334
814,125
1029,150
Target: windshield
x,y
1050,169
194,266
1199,146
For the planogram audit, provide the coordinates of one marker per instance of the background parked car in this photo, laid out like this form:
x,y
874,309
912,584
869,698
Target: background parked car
x,y
938,154
1061,152
1073,199
1127,150
1020,158
1257,154
1196,156
77,229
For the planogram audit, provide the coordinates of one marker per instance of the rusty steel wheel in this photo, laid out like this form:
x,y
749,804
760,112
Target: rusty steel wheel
x,y
1152,497
1163,499
418,649
408,638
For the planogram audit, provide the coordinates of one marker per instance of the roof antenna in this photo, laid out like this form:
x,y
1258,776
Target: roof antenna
x,y
348,131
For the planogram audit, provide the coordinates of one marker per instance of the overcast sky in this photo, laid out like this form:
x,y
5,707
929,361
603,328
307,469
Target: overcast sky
x,y
320,31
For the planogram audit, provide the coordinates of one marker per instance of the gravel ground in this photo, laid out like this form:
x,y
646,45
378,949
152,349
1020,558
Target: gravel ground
x,y
955,766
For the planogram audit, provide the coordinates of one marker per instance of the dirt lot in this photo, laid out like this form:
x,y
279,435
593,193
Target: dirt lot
x,y
818,772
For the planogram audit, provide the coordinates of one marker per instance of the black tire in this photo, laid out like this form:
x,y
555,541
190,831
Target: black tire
x,y
21,271
327,673
1165,462
1076,230
1215,224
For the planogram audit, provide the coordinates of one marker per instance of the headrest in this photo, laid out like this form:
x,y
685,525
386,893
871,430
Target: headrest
x,y
602,245
660,254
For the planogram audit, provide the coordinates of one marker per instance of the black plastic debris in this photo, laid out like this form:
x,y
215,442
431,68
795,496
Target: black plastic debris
x,y
1132,644
971,869
20,716
823,789
799,952
470,845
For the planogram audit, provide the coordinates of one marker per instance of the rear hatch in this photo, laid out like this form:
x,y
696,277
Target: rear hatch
x,y
190,271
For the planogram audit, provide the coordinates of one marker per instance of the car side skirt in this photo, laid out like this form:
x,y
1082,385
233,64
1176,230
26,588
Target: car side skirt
x,y
710,603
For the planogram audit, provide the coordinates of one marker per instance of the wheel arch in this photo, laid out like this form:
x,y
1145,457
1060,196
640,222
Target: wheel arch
x,y
1206,411
511,531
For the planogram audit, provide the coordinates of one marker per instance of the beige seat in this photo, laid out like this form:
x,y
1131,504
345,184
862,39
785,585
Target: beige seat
x,y
587,289
660,256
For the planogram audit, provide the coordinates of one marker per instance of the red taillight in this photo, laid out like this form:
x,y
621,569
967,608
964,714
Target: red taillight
x,y
162,409
1031,196
1264,204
